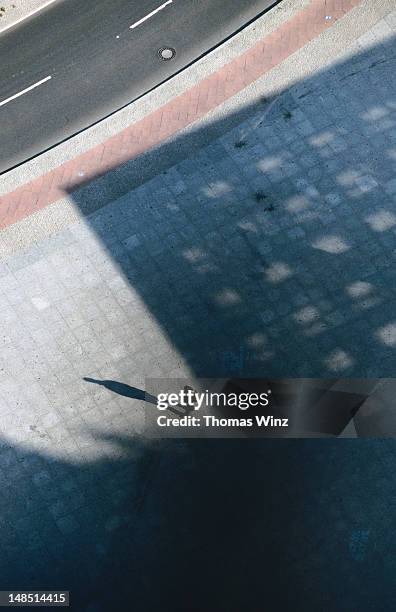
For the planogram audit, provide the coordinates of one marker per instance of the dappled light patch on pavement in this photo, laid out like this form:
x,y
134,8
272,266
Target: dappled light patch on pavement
x,y
331,244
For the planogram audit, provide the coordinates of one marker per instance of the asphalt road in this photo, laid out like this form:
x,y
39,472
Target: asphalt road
x,y
76,62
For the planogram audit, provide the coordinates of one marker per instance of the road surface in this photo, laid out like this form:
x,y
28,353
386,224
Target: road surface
x,y
76,62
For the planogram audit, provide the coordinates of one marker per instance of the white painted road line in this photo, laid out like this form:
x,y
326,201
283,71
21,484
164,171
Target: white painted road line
x,y
21,93
160,8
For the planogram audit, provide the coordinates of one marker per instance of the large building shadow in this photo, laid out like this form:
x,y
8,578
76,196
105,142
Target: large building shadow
x,y
268,251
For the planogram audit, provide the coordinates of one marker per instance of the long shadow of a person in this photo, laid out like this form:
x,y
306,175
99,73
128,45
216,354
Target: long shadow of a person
x,y
134,393
123,389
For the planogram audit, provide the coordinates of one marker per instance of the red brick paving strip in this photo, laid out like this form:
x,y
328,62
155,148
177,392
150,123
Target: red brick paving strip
x,y
176,114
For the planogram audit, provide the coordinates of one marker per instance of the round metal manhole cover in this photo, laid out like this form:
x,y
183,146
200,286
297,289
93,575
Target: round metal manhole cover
x,y
166,53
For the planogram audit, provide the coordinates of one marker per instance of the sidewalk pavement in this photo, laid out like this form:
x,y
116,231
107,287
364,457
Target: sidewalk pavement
x,y
267,252
12,12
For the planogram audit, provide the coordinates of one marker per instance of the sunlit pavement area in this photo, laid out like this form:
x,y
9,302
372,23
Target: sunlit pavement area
x,y
269,252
